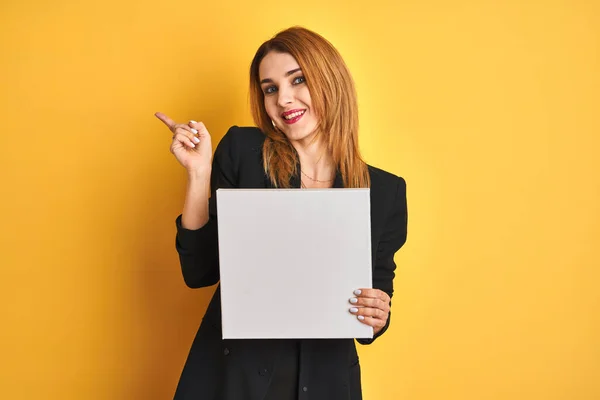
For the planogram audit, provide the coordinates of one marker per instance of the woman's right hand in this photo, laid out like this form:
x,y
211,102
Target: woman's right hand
x,y
191,144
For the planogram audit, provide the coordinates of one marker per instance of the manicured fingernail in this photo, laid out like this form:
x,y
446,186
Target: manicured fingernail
x,y
354,309
353,300
193,145
360,317
194,131
357,292
196,140
193,122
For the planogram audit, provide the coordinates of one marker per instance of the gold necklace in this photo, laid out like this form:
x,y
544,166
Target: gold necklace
x,y
315,180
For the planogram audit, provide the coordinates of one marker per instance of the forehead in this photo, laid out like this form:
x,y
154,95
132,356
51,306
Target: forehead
x,y
275,65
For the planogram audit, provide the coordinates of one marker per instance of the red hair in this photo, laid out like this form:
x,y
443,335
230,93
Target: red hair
x,y
333,98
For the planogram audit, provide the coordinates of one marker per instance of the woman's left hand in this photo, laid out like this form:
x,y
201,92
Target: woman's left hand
x,y
372,307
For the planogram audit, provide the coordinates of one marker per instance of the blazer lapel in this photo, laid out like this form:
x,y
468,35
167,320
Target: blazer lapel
x,y
338,182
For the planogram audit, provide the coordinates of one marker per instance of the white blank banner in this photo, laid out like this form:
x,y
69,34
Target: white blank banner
x,y
290,260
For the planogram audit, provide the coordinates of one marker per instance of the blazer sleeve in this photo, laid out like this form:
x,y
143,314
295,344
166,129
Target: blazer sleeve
x,y
392,239
198,249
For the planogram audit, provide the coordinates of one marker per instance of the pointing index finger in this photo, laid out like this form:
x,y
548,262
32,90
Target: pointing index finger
x,y
166,120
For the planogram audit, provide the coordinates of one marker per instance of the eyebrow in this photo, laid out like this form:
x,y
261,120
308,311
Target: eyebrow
x,y
268,80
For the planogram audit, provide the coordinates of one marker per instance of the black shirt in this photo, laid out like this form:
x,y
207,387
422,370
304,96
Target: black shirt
x,y
250,369
284,382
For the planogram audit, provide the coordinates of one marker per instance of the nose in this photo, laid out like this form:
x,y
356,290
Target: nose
x,y
286,96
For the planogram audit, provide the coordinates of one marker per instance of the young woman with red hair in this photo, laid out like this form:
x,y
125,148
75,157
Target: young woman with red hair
x,y
304,104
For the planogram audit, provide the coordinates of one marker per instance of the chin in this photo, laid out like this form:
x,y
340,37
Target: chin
x,y
295,134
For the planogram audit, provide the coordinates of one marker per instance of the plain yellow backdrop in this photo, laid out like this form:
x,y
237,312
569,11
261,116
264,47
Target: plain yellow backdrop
x,y
490,110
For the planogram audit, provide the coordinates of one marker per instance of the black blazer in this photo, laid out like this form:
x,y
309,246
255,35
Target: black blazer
x,y
218,369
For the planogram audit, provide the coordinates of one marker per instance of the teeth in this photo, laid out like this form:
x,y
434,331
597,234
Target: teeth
x,y
294,115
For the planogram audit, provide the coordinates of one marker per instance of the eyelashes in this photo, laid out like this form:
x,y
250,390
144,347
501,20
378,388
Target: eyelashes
x,y
272,89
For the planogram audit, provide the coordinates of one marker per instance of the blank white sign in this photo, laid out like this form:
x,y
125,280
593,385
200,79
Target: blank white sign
x,y
290,260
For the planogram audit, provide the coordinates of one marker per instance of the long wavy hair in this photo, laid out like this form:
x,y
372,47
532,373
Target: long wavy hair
x,y
334,103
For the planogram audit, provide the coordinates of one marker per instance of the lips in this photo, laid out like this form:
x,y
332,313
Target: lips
x,y
292,116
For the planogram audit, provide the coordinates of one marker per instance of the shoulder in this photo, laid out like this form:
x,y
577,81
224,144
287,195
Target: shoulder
x,y
242,138
239,147
388,191
385,181
388,199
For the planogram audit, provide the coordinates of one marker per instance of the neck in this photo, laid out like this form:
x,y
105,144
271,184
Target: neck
x,y
315,159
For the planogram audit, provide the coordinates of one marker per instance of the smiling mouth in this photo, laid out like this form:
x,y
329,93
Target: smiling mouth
x,y
293,116
289,116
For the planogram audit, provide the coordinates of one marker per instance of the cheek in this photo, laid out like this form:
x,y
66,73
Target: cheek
x,y
304,95
271,107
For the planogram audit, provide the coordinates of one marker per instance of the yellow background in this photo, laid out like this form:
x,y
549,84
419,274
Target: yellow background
x,y
489,109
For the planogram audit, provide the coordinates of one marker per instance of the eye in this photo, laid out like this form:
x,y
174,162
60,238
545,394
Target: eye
x,y
298,80
270,89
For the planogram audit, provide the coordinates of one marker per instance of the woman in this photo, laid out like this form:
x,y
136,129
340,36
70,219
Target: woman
x,y
304,104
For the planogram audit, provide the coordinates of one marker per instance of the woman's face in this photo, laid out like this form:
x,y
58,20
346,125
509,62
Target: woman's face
x,y
286,96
